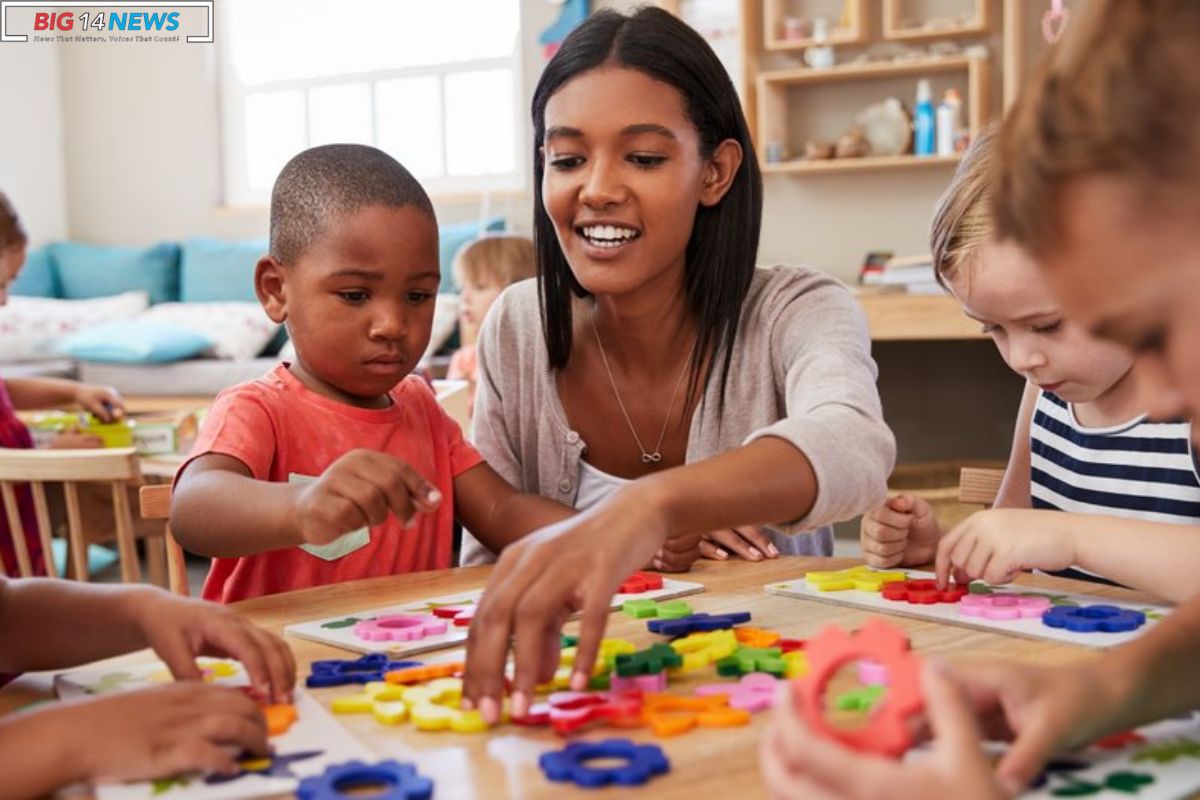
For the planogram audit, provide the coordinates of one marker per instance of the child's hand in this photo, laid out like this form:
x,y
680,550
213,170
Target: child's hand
x,y
903,531
158,732
678,554
748,542
358,490
180,629
75,439
103,401
997,544
799,763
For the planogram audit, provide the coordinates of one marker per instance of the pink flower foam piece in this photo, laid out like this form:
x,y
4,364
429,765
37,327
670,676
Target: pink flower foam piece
x,y
398,628
754,692
1002,606
872,673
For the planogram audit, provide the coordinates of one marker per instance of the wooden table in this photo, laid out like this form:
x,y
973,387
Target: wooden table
x,y
705,763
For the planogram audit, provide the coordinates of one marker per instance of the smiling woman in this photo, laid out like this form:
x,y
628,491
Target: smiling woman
x,y
670,391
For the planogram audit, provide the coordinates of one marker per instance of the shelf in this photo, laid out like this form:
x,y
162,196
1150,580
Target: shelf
x,y
852,32
900,317
865,164
838,37
892,31
870,69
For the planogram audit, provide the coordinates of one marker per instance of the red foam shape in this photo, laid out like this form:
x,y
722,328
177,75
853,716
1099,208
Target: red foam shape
x,y
790,645
887,731
622,709
1119,741
923,591
640,582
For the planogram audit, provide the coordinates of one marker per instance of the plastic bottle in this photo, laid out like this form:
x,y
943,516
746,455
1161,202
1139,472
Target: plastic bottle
x,y
947,123
924,130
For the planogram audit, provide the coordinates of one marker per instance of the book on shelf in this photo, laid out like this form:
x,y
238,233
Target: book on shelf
x,y
912,274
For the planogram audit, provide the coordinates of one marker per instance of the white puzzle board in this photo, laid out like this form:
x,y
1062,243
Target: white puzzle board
x,y
1162,763
314,731
948,612
339,631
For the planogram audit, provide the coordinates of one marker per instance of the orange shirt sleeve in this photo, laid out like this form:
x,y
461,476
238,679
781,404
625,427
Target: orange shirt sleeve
x,y
239,424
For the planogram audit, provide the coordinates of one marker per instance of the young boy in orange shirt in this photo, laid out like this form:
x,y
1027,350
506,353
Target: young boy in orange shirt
x,y
341,465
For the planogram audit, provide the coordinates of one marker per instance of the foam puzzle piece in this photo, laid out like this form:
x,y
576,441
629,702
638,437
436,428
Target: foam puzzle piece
x,y
642,762
570,711
274,765
701,649
656,682
887,731
459,616
862,578
754,692
753,659
646,609
862,699
1003,606
791,645
640,582
425,673
398,628
342,672
923,591
655,658
795,664
756,637
697,623
1169,751
280,717
1094,619
400,782
671,715
872,673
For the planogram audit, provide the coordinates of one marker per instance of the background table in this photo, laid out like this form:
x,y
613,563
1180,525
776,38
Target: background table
x,y
704,762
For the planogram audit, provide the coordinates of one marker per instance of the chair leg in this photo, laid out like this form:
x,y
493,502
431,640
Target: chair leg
x,y
79,552
130,571
156,561
176,566
17,530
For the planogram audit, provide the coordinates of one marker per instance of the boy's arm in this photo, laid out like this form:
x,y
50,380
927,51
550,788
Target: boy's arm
x,y
219,509
1155,557
1014,489
496,513
48,624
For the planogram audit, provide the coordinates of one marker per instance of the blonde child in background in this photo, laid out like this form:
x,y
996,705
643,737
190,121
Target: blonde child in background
x,y
17,394
141,734
341,465
484,268
1083,442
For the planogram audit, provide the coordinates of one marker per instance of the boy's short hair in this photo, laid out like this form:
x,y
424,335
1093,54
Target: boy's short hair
x,y
962,221
330,181
11,230
499,260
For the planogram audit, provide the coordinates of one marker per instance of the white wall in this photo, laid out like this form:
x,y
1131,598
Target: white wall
x,y
31,138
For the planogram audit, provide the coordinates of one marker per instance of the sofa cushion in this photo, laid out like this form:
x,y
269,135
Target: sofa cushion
x,y
90,270
213,269
237,331
37,278
31,327
451,237
135,341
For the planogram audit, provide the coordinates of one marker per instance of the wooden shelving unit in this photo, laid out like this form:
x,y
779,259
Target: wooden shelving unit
x,y
853,31
801,166
892,30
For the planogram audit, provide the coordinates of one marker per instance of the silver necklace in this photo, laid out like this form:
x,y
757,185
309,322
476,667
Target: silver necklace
x,y
656,456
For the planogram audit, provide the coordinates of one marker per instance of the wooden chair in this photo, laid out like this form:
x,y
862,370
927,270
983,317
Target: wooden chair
x,y
155,503
977,485
117,467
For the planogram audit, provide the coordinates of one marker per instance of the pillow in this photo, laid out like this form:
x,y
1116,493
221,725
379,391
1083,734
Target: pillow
x,y
453,236
135,341
445,322
91,270
37,278
211,269
30,327
237,331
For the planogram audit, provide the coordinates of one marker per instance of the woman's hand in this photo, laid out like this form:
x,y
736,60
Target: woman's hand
x,y
748,542
540,580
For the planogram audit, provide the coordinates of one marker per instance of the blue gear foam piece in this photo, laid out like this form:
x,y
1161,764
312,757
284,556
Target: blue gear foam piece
x,y
697,623
401,781
642,763
340,672
1092,619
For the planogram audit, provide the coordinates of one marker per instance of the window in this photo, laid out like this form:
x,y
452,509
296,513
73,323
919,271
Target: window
x,y
435,84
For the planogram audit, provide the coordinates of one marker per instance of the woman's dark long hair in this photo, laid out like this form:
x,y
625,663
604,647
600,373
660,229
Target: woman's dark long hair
x,y
721,253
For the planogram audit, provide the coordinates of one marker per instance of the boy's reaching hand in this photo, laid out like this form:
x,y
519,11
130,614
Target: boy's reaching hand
x,y
180,629
998,543
358,490
903,532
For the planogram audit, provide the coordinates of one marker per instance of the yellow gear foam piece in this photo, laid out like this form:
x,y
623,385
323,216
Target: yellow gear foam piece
x,y
795,664
861,578
468,722
432,717
390,712
701,649
566,656
611,648
217,668
353,704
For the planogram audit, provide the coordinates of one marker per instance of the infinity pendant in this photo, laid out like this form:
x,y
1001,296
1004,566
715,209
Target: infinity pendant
x,y
651,458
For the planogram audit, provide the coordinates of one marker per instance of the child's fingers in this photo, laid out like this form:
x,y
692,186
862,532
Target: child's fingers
x,y
942,561
424,494
889,519
903,502
782,783
195,754
281,665
235,730
983,559
885,551
1026,757
178,657
956,734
